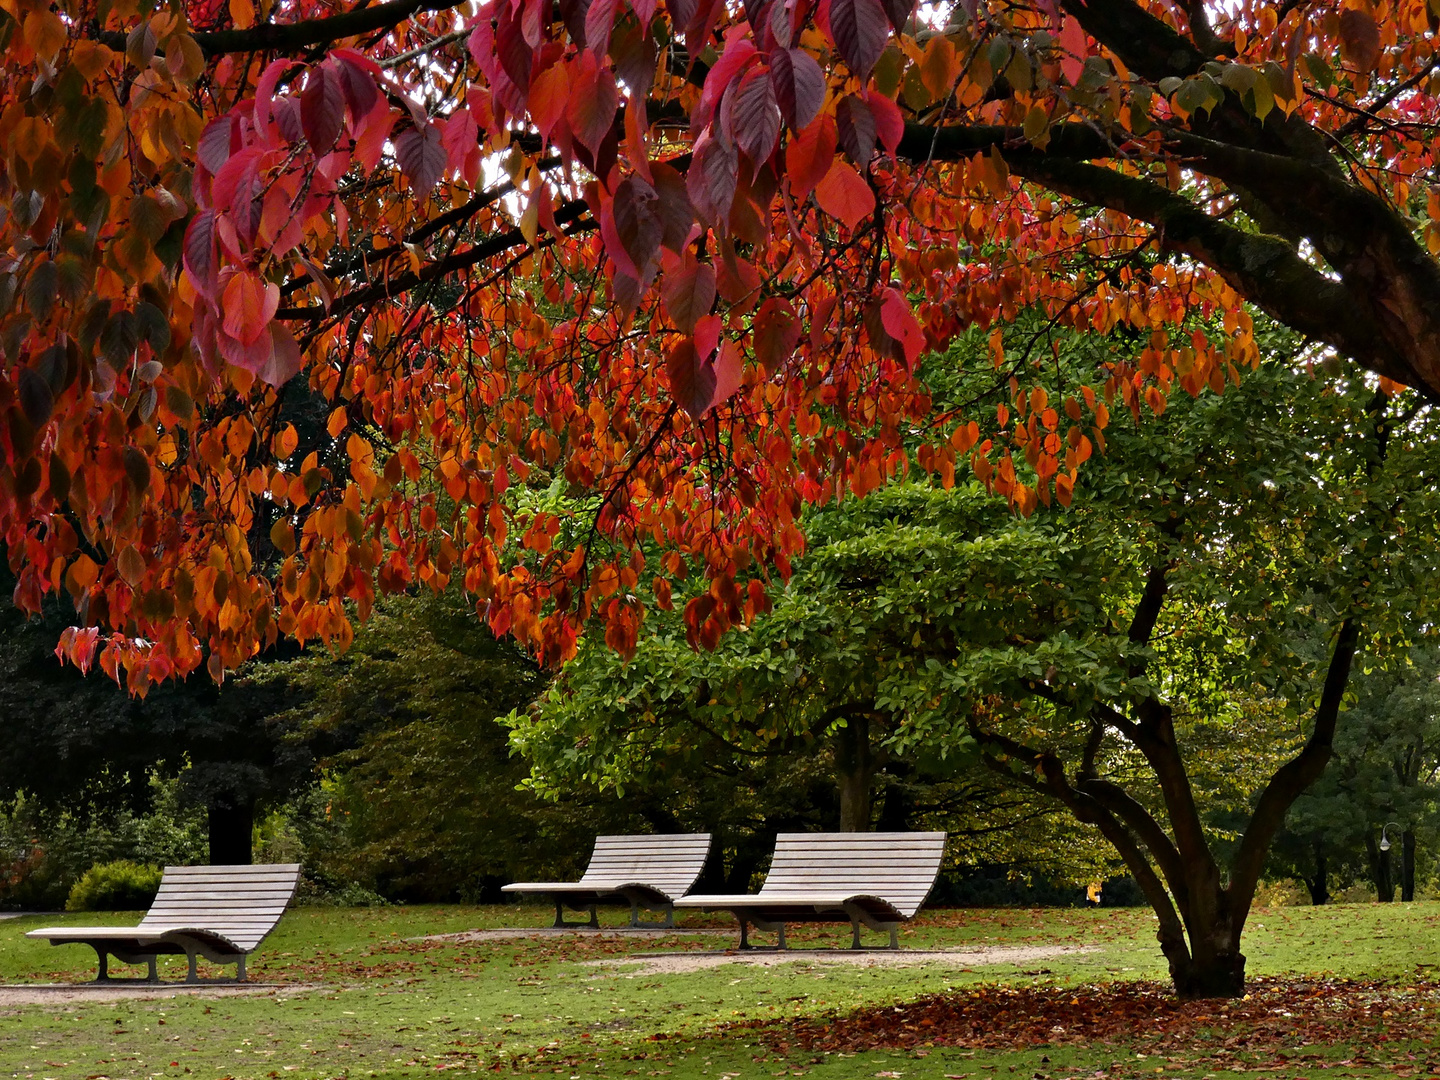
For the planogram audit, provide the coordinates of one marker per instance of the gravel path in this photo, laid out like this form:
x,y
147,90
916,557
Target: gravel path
x,y
680,963
89,993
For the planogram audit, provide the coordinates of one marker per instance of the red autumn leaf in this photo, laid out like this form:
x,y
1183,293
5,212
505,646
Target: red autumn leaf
x,y
775,333
711,179
594,100
549,96
199,253
322,108
809,156
859,29
752,118
599,18
889,124
421,154
357,74
512,50
1359,39
899,12
692,381
1072,50
249,304
737,55
855,126
844,194
689,293
677,216
900,323
638,228
729,367
799,84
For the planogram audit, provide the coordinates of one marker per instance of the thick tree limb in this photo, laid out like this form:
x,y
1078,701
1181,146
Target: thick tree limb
x,y
1297,774
285,37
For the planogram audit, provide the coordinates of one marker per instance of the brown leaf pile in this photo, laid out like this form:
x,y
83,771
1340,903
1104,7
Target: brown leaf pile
x,y
1288,1013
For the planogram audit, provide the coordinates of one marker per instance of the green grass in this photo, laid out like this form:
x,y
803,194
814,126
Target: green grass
x,y
360,997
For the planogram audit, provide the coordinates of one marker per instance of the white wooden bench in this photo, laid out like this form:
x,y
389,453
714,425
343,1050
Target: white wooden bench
x,y
218,912
649,871
878,879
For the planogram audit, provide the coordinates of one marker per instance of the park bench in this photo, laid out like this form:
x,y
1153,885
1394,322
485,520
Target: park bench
x,y
649,871
218,912
878,879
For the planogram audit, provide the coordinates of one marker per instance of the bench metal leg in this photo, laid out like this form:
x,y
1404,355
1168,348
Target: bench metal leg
x,y
561,924
777,928
154,973
240,969
103,974
191,976
667,923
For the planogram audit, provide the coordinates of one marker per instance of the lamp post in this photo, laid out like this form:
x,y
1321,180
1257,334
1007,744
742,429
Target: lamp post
x,y
1385,840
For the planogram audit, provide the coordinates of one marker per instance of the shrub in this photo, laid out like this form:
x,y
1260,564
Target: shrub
x,y
115,886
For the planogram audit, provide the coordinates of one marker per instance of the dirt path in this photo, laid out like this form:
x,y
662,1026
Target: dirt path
x,y
89,993
681,963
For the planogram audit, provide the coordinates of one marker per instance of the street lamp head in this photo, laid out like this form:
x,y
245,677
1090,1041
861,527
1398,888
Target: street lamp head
x,y
1384,843
1384,838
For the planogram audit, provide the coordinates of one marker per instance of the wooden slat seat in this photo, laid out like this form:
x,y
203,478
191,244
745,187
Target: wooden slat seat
x,y
878,879
649,871
219,912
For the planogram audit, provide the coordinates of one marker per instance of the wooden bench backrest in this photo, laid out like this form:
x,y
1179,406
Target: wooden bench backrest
x,y
670,863
900,868
241,902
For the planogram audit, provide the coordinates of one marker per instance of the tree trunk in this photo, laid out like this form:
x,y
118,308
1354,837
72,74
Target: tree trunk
x,y
1407,865
1319,884
231,820
1212,966
854,771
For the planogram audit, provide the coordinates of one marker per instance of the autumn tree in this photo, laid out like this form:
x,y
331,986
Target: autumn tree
x,y
683,256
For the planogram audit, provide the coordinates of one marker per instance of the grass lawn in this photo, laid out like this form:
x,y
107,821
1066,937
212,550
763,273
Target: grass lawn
x,y
1339,991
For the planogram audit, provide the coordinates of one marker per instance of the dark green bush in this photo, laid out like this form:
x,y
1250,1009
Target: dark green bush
x,y
115,886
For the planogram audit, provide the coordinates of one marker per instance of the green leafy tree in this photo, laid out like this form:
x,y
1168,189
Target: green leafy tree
x,y
1222,568
1387,756
79,743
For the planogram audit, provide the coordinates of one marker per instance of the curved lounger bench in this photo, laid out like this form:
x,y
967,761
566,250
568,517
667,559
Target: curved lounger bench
x,y
878,879
219,912
649,871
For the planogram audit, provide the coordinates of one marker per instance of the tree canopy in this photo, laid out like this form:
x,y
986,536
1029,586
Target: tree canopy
x,y
681,257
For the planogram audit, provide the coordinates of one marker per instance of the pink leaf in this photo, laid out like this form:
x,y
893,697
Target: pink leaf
x,y
707,335
692,381
644,11
265,92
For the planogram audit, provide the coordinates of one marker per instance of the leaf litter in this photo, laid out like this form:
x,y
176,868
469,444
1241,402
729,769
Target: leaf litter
x,y
1320,1021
